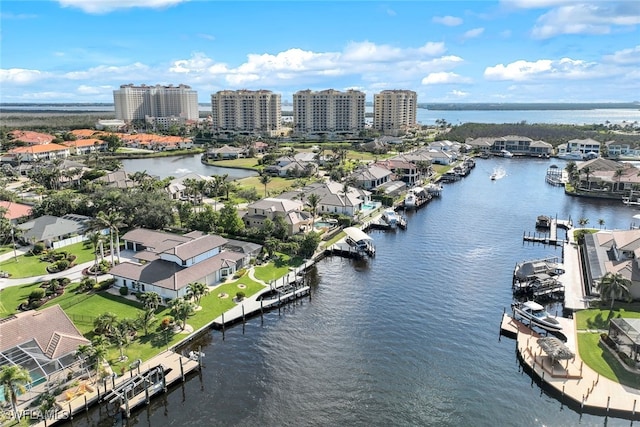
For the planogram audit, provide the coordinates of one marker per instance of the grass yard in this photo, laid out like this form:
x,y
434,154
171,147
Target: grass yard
x,y
29,265
600,360
276,186
246,163
13,296
595,318
278,268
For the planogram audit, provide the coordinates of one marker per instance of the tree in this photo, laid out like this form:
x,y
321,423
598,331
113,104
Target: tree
x,y
96,239
314,201
614,286
601,223
112,221
121,335
230,220
587,171
181,309
196,291
150,300
145,320
617,175
264,180
583,221
13,379
105,323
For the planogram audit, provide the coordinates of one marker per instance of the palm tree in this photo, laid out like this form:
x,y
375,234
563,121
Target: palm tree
x,y
95,238
587,171
145,320
105,323
617,175
601,223
583,221
614,286
314,201
196,290
150,300
264,180
13,379
112,221
181,309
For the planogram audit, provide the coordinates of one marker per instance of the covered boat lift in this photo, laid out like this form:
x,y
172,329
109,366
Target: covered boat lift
x,y
360,240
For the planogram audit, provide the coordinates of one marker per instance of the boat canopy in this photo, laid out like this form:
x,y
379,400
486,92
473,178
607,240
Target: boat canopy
x,y
533,305
357,235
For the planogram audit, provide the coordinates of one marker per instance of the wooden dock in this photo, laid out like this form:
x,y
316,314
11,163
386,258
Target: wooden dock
x,y
552,237
571,381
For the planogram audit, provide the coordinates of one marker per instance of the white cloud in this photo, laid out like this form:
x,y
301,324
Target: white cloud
x,y
444,78
449,21
625,56
595,17
521,70
459,93
105,6
206,36
21,76
471,34
197,63
110,72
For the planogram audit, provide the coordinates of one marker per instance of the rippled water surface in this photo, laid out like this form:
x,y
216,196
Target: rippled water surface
x,y
409,338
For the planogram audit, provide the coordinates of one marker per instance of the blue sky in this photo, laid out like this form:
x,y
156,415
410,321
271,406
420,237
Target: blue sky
x,y
447,51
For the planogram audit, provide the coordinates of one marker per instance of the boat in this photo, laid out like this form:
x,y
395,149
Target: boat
x,y
434,188
506,153
390,217
410,199
571,155
536,315
631,201
493,177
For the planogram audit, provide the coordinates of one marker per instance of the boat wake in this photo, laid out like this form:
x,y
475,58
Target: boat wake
x,y
498,173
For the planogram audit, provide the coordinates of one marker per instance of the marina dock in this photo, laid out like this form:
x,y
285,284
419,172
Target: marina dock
x,y
572,380
550,238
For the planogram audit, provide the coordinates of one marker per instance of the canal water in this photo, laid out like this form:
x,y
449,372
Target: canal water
x,y
409,338
177,166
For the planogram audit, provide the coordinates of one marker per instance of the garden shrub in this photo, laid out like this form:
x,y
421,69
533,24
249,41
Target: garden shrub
x,y
61,265
36,294
38,248
240,295
124,291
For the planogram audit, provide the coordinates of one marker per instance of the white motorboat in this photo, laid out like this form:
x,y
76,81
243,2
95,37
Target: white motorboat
x,y
410,199
390,217
571,155
536,315
493,177
506,153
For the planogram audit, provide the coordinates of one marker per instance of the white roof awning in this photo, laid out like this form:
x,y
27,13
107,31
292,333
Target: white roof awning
x,y
356,234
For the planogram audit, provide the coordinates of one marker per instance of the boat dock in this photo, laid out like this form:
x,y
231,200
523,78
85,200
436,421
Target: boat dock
x,y
552,237
269,298
571,380
135,388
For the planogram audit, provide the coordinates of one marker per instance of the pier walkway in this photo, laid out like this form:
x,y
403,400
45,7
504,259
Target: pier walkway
x,y
572,379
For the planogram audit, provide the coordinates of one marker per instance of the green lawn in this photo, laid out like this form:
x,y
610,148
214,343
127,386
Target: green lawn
x,y
599,318
276,186
278,268
12,297
600,360
245,163
29,265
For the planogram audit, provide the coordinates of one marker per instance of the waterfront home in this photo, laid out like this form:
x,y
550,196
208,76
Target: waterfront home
x,y
517,145
56,232
584,146
33,153
84,146
371,176
155,142
179,190
296,219
440,157
335,197
86,133
481,145
622,150
614,252
608,176
625,332
118,179
167,263
44,342
14,211
288,166
404,170
226,152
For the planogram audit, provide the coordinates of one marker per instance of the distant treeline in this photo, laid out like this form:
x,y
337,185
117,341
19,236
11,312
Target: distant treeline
x,y
530,106
551,133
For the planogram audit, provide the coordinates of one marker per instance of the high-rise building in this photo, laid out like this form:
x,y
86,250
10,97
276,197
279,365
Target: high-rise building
x,y
394,110
246,111
159,105
328,111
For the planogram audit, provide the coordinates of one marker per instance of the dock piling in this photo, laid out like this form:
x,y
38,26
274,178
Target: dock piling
x,y
181,369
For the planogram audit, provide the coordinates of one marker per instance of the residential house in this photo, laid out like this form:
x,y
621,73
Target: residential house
x,y
177,188
584,146
118,179
44,342
31,138
518,145
15,211
84,146
371,176
167,263
291,211
614,252
440,157
335,197
56,232
624,150
34,153
609,175
404,170
226,152
481,145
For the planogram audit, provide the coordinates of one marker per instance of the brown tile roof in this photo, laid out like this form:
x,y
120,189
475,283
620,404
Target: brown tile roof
x,y
86,133
51,328
86,142
42,148
15,210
